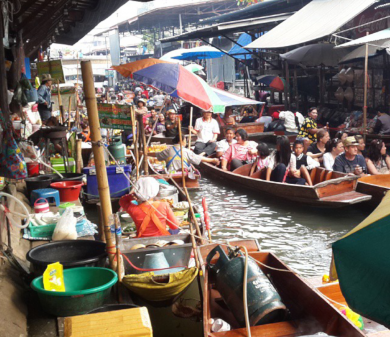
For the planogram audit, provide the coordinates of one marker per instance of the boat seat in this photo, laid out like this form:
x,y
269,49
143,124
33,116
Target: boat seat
x,y
259,174
318,175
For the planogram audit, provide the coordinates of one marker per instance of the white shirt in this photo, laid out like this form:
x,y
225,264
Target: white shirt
x,y
223,145
328,161
264,119
292,166
159,99
311,163
170,154
289,120
206,130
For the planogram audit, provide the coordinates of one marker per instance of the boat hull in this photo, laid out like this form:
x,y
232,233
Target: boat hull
x,y
376,186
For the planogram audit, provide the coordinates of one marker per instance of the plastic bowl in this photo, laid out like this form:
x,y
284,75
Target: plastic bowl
x,y
69,190
86,288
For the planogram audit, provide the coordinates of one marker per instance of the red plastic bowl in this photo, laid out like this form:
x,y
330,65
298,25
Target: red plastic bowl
x,y
69,190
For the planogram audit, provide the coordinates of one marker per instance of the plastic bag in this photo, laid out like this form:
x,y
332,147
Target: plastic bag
x,y
53,277
66,227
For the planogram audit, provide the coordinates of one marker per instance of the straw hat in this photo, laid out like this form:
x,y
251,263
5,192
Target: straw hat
x,y
46,77
349,141
171,111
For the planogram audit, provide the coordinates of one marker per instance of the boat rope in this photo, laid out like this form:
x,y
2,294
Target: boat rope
x,y
194,235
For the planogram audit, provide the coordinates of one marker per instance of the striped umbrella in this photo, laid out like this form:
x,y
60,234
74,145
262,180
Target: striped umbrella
x,y
274,82
174,80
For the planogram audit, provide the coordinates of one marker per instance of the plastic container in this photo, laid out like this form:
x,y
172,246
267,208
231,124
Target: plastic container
x,y
46,231
69,177
58,164
70,253
33,169
86,288
69,190
119,185
41,207
36,183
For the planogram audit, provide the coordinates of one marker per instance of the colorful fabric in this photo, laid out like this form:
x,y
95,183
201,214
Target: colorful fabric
x,y
12,164
240,152
308,124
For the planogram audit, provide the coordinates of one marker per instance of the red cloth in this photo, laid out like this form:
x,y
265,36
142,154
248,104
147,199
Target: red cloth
x,y
146,93
138,215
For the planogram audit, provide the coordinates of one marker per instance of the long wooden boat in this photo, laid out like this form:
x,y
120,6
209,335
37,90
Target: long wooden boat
x,y
376,186
331,189
308,311
169,140
254,130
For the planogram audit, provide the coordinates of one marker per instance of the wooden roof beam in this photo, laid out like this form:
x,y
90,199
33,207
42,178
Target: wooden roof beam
x,y
28,20
25,7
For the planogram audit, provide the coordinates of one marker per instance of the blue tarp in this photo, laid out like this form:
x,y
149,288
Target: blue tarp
x,y
239,52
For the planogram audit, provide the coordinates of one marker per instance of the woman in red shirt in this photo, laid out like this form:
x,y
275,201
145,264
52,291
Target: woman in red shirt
x,y
150,217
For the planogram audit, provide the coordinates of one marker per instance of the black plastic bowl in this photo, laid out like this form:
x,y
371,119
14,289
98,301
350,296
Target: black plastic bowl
x,y
68,177
70,253
36,183
112,307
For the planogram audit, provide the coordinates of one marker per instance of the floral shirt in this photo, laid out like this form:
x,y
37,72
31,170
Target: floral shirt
x,y
307,125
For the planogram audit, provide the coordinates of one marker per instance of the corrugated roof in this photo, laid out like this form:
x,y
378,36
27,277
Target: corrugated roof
x,y
316,20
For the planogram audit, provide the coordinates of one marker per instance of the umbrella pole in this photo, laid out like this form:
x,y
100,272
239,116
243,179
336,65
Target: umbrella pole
x,y
189,138
60,103
98,152
144,144
188,197
296,88
135,139
286,87
365,92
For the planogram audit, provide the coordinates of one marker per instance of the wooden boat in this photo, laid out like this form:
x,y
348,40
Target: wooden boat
x,y
169,140
376,186
254,130
308,311
331,189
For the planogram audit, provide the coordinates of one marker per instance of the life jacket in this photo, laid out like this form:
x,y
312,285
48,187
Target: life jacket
x,y
151,216
87,136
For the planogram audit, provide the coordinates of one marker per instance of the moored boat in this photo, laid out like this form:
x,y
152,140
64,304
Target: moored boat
x,y
308,311
254,130
331,189
376,186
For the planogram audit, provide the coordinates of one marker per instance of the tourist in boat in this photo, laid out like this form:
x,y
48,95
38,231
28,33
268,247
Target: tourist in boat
x,y
171,124
228,118
277,124
362,145
262,160
150,217
378,161
292,121
207,130
333,148
250,115
382,125
141,108
160,127
240,153
350,161
282,164
341,135
304,163
317,150
224,144
172,156
309,129
158,99
267,120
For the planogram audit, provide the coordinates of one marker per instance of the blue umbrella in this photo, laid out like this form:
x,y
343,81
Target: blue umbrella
x,y
200,53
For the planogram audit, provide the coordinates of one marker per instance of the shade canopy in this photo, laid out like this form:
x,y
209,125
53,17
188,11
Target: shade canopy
x,y
359,53
381,38
316,20
200,53
239,52
361,259
315,55
230,99
169,56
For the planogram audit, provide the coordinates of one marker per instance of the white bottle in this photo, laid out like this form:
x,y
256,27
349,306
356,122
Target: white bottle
x,y
220,325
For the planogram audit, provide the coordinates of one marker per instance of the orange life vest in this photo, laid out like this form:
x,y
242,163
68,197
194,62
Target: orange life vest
x,y
151,216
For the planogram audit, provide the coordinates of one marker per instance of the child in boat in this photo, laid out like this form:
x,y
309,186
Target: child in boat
x,y
151,217
304,163
282,164
263,159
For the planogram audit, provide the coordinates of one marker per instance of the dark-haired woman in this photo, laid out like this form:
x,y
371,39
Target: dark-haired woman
x,y
333,149
317,150
282,164
378,162
240,153
262,160
341,135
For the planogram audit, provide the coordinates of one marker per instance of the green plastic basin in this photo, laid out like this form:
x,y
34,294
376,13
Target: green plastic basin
x,y
86,288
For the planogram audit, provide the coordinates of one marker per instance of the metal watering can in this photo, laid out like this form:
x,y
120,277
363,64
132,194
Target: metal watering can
x,y
264,303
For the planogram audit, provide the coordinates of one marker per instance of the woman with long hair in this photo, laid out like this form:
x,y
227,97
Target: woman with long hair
x,y
240,153
333,149
282,164
378,161
317,150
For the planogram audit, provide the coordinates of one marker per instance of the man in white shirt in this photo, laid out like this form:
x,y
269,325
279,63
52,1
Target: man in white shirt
x,y
292,122
158,99
207,130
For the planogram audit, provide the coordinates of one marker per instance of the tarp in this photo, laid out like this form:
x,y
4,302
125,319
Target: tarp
x,y
239,52
359,53
381,39
361,259
316,20
230,99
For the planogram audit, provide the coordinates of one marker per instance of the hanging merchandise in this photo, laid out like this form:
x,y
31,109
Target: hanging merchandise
x,y
5,11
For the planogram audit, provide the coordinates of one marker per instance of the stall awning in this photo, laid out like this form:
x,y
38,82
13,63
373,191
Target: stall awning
x,y
239,52
316,20
230,99
380,39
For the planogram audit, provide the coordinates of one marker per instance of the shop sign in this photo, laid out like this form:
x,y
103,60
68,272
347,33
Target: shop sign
x,y
54,68
114,116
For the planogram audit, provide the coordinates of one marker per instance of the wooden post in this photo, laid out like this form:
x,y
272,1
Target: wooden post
x,y
189,138
188,198
60,101
98,152
296,88
365,92
79,156
144,143
135,139
69,109
286,87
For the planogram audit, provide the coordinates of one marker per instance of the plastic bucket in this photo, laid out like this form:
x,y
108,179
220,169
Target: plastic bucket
x,y
69,190
36,183
86,288
33,168
69,177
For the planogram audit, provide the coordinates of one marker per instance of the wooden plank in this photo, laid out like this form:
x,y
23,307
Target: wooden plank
x,y
335,189
347,198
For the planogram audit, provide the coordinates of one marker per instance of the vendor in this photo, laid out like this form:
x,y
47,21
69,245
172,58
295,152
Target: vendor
x,y
151,218
44,98
172,156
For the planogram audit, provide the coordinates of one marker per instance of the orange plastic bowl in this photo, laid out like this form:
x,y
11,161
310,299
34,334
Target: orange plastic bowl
x,y
69,190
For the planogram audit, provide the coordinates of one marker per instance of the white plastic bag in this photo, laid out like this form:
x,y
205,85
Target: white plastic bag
x,y
66,227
